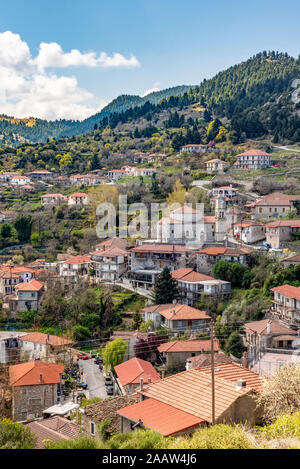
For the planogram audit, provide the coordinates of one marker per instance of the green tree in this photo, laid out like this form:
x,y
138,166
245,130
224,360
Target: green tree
x,y
23,225
113,353
15,436
165,288
6,230
235,345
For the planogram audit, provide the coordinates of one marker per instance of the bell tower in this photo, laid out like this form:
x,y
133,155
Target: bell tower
x,y
220,219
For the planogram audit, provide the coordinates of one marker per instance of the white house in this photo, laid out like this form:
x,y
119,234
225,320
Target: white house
x,y
196,147
249,231
216,165
79,199
20,180
286,303
110,264
253,159
78,265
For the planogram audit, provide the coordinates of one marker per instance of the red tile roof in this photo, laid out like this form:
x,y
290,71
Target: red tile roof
x,y
134,369
260,327
78,194
28,374
54,429
295,258
40,338
160,248
113,251
163,418
33,285
215,251
284,223
78,260
181,312
179,346
192,277
277,198
288,290
254,152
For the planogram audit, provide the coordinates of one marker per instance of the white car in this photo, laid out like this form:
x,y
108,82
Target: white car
x,y
276,250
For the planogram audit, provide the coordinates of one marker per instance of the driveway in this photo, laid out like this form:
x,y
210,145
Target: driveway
x,y
93,377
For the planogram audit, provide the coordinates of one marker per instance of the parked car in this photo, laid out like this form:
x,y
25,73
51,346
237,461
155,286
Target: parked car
x,y
82,385
110,391
82,356
94,354
276,250
98,360
107,380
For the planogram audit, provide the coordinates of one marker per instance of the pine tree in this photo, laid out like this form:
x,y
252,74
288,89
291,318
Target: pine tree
x,y
165,288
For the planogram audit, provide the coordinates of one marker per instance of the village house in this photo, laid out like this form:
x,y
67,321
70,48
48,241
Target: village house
x,y
225,191
5,178
78,199
192,285
39,346
196,148
216,166
10,276
116,174
286,304
7,216
206,258
143,172
41,175
78,265
253,159
109,264
130,373
35,386
273,206
27,296
148,260
179,318
175,354
249,231
53,199
141,158
53,429
260,336
281,231
181,403
104,411
20,180
86,179
111,242
292,260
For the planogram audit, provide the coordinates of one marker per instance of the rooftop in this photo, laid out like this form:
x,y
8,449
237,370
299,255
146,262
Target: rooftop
x,y
40,338
260,327
35,373
134,369
181,312
32,285
188,346
53,429
288,290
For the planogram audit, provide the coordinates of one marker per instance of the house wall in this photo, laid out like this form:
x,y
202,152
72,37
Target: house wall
x,y
243,410
270,211
32,400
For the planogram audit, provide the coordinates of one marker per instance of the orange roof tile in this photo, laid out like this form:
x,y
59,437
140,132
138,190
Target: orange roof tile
x,y
179,346
284,223
28,374
78,260
182,312
160,248
254,152
288,290
134,369
193,277
163,418
33,285
191,392
40,338
179,273
260,327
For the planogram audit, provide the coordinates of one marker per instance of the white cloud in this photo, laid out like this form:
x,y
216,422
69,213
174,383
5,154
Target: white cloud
x,y
152,90
27,89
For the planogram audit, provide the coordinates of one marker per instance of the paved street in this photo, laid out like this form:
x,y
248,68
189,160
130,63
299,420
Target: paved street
x,y
94,378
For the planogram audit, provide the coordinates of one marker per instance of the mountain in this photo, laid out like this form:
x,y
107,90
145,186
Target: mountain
x,y
17,131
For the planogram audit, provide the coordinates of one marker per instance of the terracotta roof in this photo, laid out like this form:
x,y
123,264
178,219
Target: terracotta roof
x,y
260,327
225,188
288,290
78,260
134,369
204,359
181,312
160,248
54,429
284,223
163,418
277,198
209,219
113,251
52,195
106,410
215,251
107,243
192,277
78,194
157,308
32,285
40,338
191,392
16,269
283,337
188,346
28,374
295,258
233,372
179,273
186,209
254,152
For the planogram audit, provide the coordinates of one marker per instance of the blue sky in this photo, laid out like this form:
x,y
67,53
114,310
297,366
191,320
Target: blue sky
x,y
161,43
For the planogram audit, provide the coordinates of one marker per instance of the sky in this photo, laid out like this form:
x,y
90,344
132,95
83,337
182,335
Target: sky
x,y
69,58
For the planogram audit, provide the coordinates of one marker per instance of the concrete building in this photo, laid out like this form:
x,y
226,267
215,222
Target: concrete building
x,y
176,353
273,206
53,199
253,159
196,148
249,231
78,265
39,346
286,304
78,199
110,264
130,373
216,166
281,231
35,386
206,258
291,260
27,296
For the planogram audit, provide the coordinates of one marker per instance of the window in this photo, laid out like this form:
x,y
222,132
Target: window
x,y
260,209
92,428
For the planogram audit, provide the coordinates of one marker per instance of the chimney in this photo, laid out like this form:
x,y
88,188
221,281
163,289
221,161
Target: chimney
x,y
48,338
41,379
141,384
149,379
268,327
245,361
163,372
241,383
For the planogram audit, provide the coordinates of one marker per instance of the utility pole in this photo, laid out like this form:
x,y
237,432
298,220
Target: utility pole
x,y
212,371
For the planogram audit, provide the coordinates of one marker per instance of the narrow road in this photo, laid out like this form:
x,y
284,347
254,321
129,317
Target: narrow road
x,y
93,377
286,148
